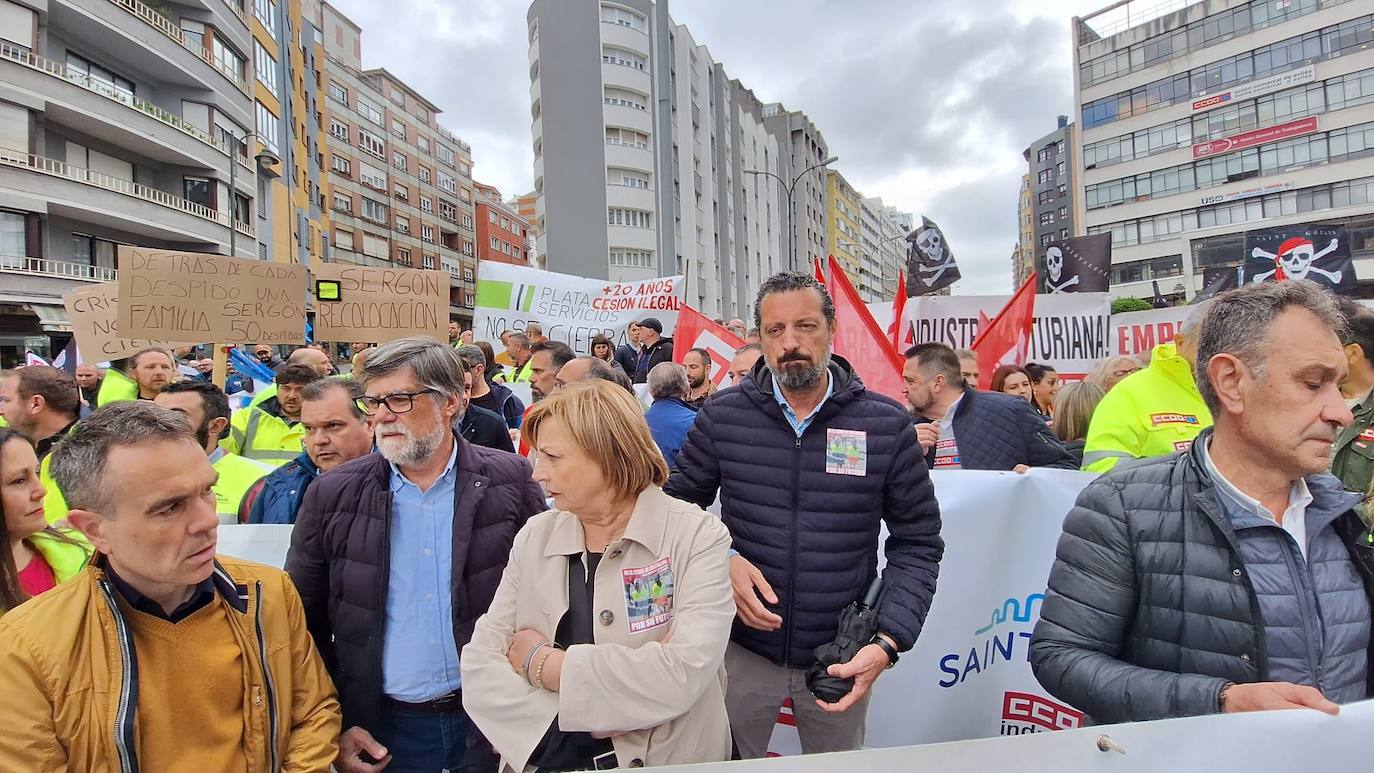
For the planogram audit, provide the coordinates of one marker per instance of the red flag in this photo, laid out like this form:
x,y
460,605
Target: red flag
x,y
859,339
820,272
1006,339
696,331
894,331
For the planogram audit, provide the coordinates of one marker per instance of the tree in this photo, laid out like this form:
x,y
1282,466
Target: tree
x,y
1121,305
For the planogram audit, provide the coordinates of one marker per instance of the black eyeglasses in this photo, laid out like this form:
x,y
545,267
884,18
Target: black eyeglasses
x,y
399,402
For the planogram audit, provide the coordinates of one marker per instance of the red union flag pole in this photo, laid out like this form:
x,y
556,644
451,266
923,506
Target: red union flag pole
x,y
1006,339
696,331
860,340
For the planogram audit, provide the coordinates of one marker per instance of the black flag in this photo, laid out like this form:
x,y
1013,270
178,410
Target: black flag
x,y
1216,281
1317,252
929,260
1079,265
1159,301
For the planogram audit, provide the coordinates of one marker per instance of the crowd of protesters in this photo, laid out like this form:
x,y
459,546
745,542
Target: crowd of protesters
x,y
474,583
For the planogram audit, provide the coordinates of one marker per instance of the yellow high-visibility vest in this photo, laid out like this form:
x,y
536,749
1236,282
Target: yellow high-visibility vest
x,y
1152,412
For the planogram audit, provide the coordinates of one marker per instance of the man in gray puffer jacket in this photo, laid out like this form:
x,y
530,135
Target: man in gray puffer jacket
x,y
1234,576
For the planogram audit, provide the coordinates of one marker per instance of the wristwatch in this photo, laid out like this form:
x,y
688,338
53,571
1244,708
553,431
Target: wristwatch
x,y
888,648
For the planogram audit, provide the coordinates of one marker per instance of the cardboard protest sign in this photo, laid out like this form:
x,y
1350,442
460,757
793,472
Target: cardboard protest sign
x,y
203,297
380,304
94,312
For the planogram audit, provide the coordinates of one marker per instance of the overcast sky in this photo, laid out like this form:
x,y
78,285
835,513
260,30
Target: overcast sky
x,y
928,103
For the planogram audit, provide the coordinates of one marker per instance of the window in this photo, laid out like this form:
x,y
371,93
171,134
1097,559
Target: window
x,y
427,233
613,14
633,218
448,211
505,223
467,274
403,224
268,127
623,57
371,176
343,166
426,204
338,129
398,129
629,137
467,222
424,174
1063,213
1046,197
197,191
401,192
227,59
625,98
427,261
194,33
495,243
342,202
265,67
17,25
1046,218
1045,239
266,11
375,246
403,255
1044,176
632,258
464,170
422,142
627,178
398,160
491,216
369,110
465,195
96,77
447,182
1059,168
371,143
343,238
467,248
505,247
375,211
338,93
444,154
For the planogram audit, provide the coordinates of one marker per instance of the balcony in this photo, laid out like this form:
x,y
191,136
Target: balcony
x,y
86,104
99,198
630,157
628,117
59,269
624,76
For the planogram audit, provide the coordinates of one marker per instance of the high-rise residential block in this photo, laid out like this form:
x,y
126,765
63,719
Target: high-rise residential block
x,y
501,232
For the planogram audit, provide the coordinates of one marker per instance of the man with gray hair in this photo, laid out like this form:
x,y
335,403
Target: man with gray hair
x,y
396,554
157,642
1235,576
670,415
1155,411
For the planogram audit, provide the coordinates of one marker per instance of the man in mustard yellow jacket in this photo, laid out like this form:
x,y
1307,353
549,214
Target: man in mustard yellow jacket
x,y
158,656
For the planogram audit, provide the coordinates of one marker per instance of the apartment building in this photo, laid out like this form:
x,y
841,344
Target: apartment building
x,y
288,55
401,190
1023,257
649,159
1051,179
1200,121
883,255
525,205
842,227
501,232
120,123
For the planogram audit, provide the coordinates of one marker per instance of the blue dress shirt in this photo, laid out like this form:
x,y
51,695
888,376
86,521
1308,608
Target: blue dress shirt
x,y
799,425
419,653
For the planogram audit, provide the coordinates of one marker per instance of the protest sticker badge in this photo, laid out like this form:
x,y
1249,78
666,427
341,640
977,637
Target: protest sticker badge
x,y
846,452
648,595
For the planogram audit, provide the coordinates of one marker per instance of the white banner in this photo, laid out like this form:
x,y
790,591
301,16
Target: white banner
x,y
1070,333
1137,332
571,309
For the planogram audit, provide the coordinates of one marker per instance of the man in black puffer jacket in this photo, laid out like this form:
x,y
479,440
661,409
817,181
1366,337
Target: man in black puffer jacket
x,y
1234,576
961,428
810,465
396,554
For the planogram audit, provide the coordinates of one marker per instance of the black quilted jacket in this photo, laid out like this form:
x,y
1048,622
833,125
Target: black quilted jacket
x,y
997,432
814,534
340,561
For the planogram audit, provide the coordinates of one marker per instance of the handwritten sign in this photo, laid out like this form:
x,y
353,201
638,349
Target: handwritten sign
x,y
94,314
381,304
202,297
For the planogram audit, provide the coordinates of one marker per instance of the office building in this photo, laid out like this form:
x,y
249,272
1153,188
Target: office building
x,y
1219,117
401,190
649,158
119,124
501,232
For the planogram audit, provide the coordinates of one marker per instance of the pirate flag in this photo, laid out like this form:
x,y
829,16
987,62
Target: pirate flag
x,y
1217,280
1079,265
930,263
1316,252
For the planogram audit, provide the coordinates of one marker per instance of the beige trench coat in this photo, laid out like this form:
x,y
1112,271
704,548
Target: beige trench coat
x,y
661,684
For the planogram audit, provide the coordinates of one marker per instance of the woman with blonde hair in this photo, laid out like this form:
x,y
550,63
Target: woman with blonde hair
x,y
1073,412
1110,371
605,644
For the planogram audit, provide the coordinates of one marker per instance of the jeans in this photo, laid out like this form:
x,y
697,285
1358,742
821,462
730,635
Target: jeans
x,y
425,743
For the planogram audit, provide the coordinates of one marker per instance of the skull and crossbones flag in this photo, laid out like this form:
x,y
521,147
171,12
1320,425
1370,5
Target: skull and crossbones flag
x,y
1317,252
930,265
1079,265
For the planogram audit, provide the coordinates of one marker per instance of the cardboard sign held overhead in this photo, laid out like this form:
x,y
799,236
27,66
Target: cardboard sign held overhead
x,y
203,297
94,314
380,304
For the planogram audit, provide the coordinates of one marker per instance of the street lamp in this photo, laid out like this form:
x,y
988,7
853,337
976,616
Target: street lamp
x,y
790,188
264,159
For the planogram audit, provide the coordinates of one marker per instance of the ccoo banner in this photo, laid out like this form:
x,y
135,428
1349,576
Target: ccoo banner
x,y
1079,265
571,309
1071,330
1316,252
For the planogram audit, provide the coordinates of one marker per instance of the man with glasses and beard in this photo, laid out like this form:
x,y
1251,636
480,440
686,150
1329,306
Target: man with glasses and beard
x,y
396,554
206,409
810,465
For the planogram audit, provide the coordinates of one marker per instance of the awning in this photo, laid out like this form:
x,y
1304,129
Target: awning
x,y
52,319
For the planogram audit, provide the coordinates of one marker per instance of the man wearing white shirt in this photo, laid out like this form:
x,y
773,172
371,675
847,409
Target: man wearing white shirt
x,y
1234,576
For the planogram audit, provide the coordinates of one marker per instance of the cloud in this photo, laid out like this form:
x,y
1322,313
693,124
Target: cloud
x,y
928,104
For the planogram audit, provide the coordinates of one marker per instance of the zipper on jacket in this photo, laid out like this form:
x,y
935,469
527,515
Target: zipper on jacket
x,y
128,687
267,682
792,557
